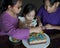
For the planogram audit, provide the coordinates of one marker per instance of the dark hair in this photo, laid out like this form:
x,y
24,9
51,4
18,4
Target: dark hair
x,y
52,1
5,3
28,8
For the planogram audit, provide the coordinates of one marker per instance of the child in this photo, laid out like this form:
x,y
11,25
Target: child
x,y
9,20
49,14
28,17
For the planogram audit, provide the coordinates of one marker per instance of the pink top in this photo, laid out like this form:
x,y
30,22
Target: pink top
x,y
9,25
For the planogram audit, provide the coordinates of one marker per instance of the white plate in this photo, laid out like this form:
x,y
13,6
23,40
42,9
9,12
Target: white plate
x,y
44,45
10,39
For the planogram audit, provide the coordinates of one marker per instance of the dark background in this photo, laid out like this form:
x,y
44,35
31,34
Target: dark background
x,y
37,3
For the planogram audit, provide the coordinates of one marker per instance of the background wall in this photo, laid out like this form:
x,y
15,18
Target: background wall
x,y
38,3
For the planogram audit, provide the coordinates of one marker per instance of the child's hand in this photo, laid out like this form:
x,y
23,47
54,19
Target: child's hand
x,y
48,26
36,30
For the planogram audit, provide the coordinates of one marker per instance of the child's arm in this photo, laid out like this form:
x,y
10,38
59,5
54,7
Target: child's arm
x,y
48,26
11,30
17,33
20,24
36,30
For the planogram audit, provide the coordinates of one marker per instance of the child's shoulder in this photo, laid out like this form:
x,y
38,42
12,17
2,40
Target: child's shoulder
x,y
21,18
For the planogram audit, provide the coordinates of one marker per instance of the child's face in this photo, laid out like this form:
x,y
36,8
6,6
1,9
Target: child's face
x,y
30,15
17,7
50,8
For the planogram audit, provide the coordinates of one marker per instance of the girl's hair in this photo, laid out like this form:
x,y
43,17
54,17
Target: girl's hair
x,y
52,1
5,3
28,8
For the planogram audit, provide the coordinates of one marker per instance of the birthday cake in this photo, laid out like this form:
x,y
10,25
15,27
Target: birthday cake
x,y
37,38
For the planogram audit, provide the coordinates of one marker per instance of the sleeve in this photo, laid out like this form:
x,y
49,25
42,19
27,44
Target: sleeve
x,y
10,30
40,11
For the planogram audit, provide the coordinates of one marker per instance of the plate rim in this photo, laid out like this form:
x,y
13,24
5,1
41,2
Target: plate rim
x,y
39,44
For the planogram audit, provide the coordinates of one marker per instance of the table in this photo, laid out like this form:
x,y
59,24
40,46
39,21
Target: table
x,y
55,43
45,45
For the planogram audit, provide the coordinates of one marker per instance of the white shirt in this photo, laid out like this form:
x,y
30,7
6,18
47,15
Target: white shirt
x,y
33,23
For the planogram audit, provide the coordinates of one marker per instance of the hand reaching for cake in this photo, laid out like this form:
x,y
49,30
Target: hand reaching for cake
x,y
36,30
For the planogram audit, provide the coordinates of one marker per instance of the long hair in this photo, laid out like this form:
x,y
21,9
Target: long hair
x,y
52,1
28,8
4,4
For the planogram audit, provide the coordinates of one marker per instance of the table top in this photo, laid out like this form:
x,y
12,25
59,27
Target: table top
x,y
5,40
44,45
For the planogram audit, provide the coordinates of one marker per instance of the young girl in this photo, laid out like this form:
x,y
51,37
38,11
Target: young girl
x,y
49,14
9,20
28,17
